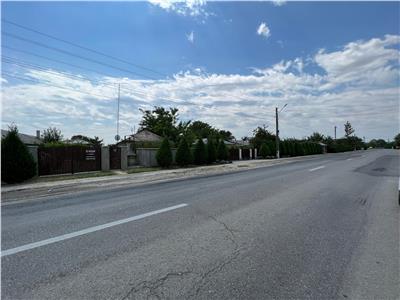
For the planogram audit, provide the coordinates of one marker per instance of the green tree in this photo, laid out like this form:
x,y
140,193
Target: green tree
x,y
316,137
52,135
397,140
163,122
183,154
348,129
212,151
96,141
17,163
261,135
222,152
264,151
164,154
200,154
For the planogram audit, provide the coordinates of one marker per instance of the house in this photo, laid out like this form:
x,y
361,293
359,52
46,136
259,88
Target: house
x,y
142,148
25,138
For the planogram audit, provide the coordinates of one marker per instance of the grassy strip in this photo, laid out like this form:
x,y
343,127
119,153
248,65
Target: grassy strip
x,y
143,169
74,176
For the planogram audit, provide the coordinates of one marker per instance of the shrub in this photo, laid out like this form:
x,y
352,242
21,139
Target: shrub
x,y
164,154
212,152
264,150
222,152
200,154
183,155
17,163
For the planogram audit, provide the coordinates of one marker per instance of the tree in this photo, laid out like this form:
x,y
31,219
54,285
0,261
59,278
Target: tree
x,y
211,151
348,129
164,154
316,137
52,135
96,141
264,151
261,135
183,155
17,163
222,152
200,154
163,122
397,140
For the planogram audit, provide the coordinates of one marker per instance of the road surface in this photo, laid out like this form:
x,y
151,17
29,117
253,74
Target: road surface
x,y
324,228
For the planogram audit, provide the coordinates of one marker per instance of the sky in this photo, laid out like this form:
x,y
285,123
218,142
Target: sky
x,y
225,63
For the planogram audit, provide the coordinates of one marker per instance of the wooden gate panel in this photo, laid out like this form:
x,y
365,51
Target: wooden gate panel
x,y
115,158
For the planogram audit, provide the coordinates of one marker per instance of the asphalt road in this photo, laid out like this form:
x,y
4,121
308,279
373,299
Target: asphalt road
x,y
324,228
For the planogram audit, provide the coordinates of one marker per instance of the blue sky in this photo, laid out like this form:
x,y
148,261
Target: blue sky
x,y
227,63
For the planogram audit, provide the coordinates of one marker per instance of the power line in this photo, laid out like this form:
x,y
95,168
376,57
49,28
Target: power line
x,y
73,54
52,85
83,47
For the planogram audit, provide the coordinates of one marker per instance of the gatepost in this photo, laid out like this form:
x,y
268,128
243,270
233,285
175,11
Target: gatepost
x,y
105,158
124,157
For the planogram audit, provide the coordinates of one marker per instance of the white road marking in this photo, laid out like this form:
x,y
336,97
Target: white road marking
x,y
87,230
349,159
317,168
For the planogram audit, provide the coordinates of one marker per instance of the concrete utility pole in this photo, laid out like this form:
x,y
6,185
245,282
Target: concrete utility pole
x,y
277,132
277,129
117,137
335,132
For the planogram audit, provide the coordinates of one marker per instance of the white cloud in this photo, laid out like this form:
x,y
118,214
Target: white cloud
x,y
190,37
278,2
194,8
360,87
264,30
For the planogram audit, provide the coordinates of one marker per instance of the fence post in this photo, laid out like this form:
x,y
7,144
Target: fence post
x,y
255,153
240,153
124,157
105,158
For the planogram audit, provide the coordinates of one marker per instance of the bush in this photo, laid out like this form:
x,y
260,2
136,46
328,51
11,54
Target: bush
x,y
164,154
264,150
212,152
200,154
17,163
183,155
222,152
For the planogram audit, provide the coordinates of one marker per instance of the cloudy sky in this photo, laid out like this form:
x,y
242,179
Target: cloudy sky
x,y
226,63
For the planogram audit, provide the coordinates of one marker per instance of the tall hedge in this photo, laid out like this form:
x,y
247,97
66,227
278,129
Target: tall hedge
x,y
264,150
222,152
200,154
17,164
211,151
164,154
183,154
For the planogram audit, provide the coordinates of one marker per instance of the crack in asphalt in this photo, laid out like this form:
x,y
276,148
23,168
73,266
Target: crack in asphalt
x,y
152,286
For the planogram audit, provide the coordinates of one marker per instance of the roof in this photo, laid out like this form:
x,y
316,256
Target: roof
x,y
25,138
143,135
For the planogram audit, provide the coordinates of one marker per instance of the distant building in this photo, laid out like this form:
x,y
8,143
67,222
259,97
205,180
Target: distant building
x,y
25,138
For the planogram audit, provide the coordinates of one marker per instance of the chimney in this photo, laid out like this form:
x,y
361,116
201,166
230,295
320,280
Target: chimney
x,y
38,134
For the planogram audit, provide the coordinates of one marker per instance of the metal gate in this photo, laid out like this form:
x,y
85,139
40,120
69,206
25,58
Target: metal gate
x,y
115,157
68,159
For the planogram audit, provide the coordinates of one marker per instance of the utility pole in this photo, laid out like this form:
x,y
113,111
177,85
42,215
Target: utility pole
x,y
335,132
277,132
117,137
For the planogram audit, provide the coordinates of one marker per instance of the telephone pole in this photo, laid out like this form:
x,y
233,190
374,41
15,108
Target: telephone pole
x,y
277,131
117,137
335,132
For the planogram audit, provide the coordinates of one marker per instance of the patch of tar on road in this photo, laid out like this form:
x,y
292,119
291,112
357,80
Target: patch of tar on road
x,y
387,165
